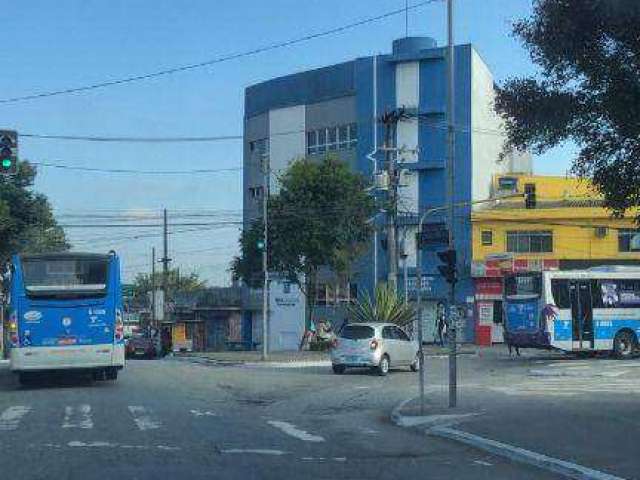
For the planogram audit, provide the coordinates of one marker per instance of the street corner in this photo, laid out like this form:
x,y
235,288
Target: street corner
x,y
411,414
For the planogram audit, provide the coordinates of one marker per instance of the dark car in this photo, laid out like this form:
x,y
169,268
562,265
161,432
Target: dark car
x,y
140,345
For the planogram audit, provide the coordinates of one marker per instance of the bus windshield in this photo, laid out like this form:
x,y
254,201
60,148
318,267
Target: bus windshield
x,y
523,286
66,277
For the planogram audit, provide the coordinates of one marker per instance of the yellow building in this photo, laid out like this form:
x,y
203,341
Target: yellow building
x,y
562,225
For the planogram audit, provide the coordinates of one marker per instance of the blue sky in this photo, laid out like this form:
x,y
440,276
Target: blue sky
x,y
68,43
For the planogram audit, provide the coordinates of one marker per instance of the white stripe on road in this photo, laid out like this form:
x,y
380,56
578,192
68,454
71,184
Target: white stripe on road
x,y
257,451
143,418
77,417
10,418
292,430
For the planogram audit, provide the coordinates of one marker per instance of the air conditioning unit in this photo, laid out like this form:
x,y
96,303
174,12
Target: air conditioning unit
x,y
601,232
382,181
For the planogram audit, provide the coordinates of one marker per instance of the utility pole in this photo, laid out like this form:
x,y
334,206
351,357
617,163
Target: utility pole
x,y
265,265
165,254
153,286
453,373
390,120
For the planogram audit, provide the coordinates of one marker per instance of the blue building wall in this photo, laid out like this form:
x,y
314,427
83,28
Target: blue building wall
x,y
356,78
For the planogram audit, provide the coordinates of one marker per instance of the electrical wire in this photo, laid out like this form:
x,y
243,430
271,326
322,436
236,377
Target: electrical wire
x,y
222,59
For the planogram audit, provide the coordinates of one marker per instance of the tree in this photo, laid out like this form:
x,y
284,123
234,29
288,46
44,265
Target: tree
x,y
319,217
248,265
588,91
27,224
176,282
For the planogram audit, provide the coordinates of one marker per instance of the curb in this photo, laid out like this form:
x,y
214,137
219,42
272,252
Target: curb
x,y
439,426
517,454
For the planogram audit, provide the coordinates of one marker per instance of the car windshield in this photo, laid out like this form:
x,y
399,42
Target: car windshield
x,y
357,332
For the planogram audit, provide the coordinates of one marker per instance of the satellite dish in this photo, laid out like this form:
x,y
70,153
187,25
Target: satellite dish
x,y
634,244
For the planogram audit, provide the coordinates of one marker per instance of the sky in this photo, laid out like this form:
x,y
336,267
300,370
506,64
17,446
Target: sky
x,y
69,43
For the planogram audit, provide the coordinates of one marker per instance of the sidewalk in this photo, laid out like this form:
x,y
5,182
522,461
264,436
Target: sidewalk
x,y
571,422
293,358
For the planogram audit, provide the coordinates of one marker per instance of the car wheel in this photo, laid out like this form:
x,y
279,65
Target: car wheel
x,y
415,365
383,366
624,344
339,369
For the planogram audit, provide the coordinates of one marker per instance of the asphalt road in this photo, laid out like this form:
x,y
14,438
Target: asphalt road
x,y
172,419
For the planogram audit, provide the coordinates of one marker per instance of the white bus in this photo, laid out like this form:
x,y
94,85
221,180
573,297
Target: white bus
x,y
577,310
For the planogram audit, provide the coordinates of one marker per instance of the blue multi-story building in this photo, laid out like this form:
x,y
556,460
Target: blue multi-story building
x,y
334,110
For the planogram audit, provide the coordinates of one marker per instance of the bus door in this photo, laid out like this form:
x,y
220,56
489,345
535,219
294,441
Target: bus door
x,y
581,314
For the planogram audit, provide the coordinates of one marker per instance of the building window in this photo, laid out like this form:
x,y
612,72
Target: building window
x,y
342,137
508,184
530,241
312,142
259,147
624,239
487,237
255,192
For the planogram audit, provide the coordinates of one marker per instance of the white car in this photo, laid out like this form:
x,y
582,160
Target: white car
x,y
380,346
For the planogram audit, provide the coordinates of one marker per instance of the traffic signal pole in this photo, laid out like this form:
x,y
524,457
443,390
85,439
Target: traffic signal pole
x,y
453,367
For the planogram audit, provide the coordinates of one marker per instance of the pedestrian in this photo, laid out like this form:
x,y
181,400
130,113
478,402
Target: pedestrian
x,y
441,325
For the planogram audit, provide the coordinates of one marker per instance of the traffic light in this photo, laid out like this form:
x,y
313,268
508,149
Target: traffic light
x,y
529,195
449,269
8,152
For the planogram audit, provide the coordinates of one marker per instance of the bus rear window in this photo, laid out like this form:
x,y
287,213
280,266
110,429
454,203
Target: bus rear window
x,y
65,276
357,332
522,286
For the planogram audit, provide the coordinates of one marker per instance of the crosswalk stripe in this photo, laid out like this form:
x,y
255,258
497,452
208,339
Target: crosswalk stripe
x,y
143,418
77,417
10,418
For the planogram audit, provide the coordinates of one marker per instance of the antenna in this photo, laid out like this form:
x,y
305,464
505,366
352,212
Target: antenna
x,y
406,18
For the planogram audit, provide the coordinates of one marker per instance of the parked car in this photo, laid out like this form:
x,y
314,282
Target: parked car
x,y
379,346
141,345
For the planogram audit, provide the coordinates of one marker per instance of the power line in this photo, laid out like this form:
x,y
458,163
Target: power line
x,y
137,172
206,63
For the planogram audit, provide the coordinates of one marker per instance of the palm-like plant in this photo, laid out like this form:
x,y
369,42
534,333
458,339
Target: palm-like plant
x,y
385,307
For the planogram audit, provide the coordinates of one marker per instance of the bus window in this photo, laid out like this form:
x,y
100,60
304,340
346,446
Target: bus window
x,y
527,285
560,292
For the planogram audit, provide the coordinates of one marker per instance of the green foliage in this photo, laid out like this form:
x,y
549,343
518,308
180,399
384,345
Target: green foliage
x,y
385,307
176,282
27,224
318,218
588,91
248,265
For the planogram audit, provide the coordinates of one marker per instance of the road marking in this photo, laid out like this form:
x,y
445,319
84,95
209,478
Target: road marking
x,y
143,418
79,417
206,413
294,431
10,418
257,451
563,467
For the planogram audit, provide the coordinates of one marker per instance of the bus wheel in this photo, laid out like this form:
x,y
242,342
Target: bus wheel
x,y
624,344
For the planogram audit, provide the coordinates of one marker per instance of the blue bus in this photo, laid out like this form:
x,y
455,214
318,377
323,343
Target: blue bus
x,y
65,313
597,309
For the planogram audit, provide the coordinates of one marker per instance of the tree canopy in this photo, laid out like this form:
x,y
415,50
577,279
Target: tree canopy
x,y
27,224
587,91
319,217
176,282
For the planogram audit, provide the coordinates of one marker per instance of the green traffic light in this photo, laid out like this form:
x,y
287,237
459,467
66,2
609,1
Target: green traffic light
x,y
6,163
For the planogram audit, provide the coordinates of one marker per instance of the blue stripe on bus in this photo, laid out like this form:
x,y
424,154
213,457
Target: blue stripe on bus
x,y
604,329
